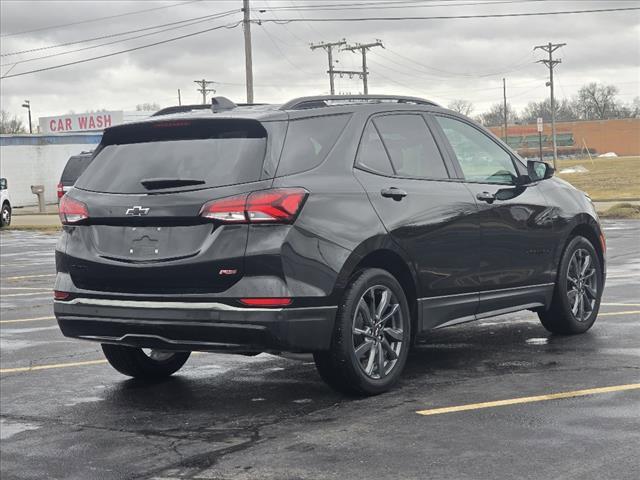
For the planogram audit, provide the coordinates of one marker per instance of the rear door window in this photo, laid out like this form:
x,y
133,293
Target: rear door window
x,y
411,146
195,154
74,168
308,142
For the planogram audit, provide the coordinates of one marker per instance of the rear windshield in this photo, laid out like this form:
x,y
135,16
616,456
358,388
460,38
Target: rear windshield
x,y
193,154
74,168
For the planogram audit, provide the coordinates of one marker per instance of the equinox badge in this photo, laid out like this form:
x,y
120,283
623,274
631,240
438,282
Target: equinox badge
x,y
137,211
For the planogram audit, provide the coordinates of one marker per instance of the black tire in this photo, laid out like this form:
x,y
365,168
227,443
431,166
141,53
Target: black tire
x,y
5,215
339,366
134,362
560,317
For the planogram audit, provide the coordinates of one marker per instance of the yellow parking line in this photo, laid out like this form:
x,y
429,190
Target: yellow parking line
x,y
21,320
42,292
538,398
21,277
629,312
51,366
30,288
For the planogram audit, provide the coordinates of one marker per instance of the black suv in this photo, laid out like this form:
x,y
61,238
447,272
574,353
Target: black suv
x,y
342,226
75,166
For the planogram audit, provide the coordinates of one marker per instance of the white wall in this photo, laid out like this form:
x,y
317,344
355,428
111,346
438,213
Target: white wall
x,y
26,165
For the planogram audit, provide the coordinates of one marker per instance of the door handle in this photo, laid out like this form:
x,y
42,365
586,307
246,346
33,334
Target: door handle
x,y
394,193
486,197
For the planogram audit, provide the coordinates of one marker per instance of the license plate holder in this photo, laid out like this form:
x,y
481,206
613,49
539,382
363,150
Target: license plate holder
x,y
146,242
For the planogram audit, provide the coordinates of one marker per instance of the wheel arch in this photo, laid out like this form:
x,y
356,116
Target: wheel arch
x,y
589,229
381,252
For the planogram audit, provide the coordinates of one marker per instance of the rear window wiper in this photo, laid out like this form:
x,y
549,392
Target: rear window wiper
x,y
157,183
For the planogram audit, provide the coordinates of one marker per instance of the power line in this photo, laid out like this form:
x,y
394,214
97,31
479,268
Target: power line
x,y
50,27
173,39
385,5
102,37
90,47
446,17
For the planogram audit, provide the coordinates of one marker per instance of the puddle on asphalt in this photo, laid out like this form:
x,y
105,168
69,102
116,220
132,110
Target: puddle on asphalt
x,y
10,428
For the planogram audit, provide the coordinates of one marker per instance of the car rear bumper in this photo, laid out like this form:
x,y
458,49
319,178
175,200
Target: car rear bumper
x,y
196,326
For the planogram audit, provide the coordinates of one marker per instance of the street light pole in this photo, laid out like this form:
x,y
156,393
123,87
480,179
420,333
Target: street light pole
x,y
27,105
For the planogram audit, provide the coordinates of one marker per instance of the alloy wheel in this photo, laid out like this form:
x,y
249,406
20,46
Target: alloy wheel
x,y
377,332
582,284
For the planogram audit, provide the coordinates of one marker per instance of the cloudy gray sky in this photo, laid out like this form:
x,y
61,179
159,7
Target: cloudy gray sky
x,y
440,59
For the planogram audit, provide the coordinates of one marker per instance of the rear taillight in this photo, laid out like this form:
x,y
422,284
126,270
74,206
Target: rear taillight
x,y
279,205
60,295
266,302
60,190
72,211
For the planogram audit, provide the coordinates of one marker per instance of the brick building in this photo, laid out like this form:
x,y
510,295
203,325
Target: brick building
x,y
621,136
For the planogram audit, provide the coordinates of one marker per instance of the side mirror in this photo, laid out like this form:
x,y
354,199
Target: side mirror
x,y
537,170
3,184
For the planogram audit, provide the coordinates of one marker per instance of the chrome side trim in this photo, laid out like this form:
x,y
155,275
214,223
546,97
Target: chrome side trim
x,y
176,305
488,291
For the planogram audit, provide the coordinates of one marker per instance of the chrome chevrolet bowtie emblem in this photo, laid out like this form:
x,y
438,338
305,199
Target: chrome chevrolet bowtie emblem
x,y
137,211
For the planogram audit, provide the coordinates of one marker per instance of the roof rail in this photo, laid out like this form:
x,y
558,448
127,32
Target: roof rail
x,y
320,101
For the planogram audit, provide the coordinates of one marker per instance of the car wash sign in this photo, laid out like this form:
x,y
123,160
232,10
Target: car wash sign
x,y
81,122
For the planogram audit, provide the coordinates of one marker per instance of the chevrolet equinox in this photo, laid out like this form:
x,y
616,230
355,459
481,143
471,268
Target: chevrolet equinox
x,y
345,227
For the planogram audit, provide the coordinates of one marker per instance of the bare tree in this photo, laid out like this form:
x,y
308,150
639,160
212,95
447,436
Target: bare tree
x,y
465,107
535,110
596,101
9,124
495,115
147,107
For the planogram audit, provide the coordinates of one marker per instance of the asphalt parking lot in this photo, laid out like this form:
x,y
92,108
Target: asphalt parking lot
x,y
64,413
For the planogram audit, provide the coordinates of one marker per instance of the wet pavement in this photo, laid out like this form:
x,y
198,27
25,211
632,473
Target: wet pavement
x,y
64,413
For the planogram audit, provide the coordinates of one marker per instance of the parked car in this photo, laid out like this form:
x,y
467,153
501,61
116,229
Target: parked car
x,y
5,201
346,227
72,171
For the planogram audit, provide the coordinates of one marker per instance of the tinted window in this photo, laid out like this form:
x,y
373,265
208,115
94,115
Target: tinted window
x,y
371,153
74,168
230,152
481,159
411,146
308,142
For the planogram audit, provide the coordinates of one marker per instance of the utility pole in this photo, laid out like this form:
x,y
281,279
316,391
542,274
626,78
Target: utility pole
x,y
27,105
504,96
248,59
550,63
329,49
203,88
363,47
179,99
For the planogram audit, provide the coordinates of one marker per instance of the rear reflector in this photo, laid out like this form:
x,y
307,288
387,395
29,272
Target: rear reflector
x,y
266,302
72,211
60,190
279,205
59,295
